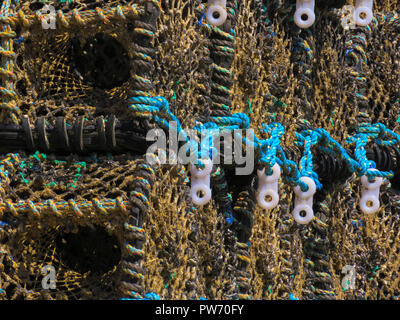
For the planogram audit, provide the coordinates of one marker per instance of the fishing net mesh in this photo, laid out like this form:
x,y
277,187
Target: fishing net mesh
x,y
83,69
278,74
80,69
83,246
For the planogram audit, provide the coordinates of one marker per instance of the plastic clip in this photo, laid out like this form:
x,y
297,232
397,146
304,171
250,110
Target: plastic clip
x,y
216,13
267,194
369,202
200,190
304,16
363,12
303,204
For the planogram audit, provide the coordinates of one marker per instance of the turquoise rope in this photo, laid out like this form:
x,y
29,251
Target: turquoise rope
x,y
269,150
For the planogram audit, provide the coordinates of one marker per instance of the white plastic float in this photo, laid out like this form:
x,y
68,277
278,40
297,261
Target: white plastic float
x,y
304,16
216,12
303,212
363,12
200,190
369,202
268,188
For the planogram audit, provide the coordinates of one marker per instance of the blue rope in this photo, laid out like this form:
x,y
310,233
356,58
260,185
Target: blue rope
x,y
270,150
365,133
308,139
147,296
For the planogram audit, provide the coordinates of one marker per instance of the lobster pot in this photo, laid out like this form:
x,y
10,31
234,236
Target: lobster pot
x,y
84,216
86,61
85,227
74,69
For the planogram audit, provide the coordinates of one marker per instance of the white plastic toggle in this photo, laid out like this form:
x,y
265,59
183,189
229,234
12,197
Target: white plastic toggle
x,y
304,16
369,202
268,188
200,189
363,12
303,212
216,13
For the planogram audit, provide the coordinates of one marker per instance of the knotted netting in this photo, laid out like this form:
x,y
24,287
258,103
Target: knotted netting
x,y
77,194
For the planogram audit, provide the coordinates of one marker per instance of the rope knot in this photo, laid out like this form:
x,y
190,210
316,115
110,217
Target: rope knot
x,y
244,119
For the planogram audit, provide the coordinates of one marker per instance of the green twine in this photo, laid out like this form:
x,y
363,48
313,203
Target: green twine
x,y
51,184
23,178
249,102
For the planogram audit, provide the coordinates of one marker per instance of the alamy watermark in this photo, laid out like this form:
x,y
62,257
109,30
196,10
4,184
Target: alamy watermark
x,y
49,279
222,146
48,13
349,20
349,280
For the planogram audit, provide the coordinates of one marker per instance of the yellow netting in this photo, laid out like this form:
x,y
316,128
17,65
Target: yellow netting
x,y
81,70
188,253
79,232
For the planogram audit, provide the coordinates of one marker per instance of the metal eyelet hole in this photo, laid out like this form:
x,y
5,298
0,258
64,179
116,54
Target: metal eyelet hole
x,y
302,213
304,17
363,15
200,194
216,15
268,198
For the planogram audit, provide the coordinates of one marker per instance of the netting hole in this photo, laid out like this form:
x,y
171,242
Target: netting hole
x,y
21,87
69,196
89,249
25,108
20,61
102,61
36,6
10,290
24,193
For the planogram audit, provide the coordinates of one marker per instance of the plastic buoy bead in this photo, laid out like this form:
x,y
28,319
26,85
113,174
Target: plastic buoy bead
x,y
201,183
304,8
304,201
268,188
363,12
216,12
369,202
